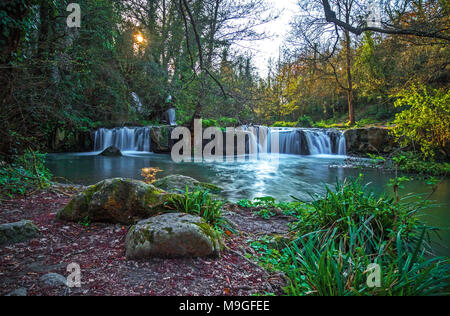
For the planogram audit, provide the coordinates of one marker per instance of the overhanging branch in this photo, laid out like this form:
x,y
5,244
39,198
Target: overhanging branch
x,y
330,16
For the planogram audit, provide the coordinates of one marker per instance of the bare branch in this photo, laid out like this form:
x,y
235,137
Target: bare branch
x,y
331,17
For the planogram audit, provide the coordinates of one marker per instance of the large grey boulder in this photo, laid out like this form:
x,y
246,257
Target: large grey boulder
x,y
117,201
178,184
18,232
173,235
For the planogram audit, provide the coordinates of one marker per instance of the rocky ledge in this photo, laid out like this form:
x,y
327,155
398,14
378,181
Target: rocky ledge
x,y
374,140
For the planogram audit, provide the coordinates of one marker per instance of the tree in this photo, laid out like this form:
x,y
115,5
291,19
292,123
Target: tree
x,y
327,41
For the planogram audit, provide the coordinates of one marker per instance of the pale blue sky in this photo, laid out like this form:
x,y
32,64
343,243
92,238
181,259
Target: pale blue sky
x,y
279,28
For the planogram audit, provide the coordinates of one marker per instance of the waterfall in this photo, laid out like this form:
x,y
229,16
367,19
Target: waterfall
x,y
125,139
342,151
312,142
290,141
172,117
297,141
293,141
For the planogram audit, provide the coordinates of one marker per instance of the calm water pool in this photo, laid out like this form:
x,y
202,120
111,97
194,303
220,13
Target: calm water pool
x,y
296,176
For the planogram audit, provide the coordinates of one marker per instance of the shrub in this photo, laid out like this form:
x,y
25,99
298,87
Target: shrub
x,y
417,163
342,233
26,173
222,122
227,122
425,120
305,121
285,124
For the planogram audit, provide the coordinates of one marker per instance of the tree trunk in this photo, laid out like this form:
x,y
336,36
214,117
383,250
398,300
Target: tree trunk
x,y
351,109
44,29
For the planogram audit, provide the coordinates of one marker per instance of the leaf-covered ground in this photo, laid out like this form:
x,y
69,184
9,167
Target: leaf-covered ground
x,y
99,250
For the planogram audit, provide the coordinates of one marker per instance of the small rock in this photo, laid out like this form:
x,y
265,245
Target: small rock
x,y
18,232
53,280
111,152
19,292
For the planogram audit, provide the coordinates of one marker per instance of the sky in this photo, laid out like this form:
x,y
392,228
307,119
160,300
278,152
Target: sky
x,y
269,48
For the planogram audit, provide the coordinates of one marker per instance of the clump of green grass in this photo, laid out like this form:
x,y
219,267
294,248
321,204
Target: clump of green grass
x,y
340,234
268,204
324,265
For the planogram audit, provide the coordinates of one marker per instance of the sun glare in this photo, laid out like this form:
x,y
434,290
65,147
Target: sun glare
x,y
139,38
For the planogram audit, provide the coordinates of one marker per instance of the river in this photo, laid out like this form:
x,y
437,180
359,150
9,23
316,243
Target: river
x,y
290,175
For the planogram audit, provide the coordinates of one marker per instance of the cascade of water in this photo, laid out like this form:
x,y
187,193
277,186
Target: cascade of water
x,y
290,141
309,141
125,139
294,141
172,117
342,150
319,142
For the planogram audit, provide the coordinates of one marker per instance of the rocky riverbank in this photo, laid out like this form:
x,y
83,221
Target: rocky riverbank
x,y
38,265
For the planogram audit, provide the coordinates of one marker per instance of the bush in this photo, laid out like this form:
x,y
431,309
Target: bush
x,y
425,121
305,121
416,163
227,122
285,124
25,174
222,122
341,234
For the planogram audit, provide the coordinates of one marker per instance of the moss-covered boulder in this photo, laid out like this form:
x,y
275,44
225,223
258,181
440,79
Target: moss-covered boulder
x,y
177,184
122,201
173,235
18,232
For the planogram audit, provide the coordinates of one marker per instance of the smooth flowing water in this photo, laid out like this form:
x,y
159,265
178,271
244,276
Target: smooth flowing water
x,y
293,175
